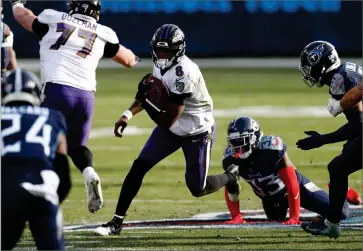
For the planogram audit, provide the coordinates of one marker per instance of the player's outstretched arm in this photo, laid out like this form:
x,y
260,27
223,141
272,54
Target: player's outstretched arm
x,y
22,15
288,176
125,57
9,40
61,167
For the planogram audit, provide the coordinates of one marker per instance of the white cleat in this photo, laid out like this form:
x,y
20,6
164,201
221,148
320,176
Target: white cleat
x,y
94,191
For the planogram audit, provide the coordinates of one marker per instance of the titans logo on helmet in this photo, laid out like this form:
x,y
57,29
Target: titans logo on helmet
x,y
315,55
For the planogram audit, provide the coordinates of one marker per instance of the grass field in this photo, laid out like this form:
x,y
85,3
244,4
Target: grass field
x,y
164,194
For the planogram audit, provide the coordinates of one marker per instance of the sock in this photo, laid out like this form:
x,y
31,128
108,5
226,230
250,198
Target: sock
x,y
233,207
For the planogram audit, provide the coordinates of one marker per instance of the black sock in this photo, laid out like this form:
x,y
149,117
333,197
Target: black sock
x,y
81,157
215,182
131,186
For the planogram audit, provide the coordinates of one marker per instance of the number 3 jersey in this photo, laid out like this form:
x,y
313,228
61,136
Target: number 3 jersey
x,y
260,169
29,135
71,49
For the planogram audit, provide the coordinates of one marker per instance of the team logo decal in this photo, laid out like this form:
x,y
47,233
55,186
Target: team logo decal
x,y
180,86
315,55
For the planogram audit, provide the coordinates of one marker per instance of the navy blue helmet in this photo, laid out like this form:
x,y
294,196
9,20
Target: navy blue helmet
x,y
243,136
167,46
21,87
317,59
90,8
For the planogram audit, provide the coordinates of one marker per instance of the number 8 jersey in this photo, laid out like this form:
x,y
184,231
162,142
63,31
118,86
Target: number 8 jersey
x,y
29,135
71,48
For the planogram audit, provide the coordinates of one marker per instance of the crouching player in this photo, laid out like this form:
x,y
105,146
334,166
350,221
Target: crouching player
x,y
35,170
264,164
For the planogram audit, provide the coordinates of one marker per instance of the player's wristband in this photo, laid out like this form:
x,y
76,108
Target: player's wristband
x,y
127,114
17,5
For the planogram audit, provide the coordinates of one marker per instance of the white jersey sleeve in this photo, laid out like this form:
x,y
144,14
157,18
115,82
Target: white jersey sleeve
x,y
72,48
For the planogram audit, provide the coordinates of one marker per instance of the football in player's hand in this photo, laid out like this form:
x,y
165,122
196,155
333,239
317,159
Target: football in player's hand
x,y
158,93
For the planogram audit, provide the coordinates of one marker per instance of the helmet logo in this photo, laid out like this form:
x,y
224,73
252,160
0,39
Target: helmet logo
x,y
178,36
315,55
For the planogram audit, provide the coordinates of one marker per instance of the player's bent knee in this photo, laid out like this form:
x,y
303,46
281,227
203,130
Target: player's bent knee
x,y
140,166
335,166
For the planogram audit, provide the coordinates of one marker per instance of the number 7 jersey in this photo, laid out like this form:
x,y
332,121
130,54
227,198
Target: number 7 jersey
x,y
71,49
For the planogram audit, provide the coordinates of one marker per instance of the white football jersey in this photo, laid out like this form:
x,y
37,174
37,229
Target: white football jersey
x,y
70,51
183,78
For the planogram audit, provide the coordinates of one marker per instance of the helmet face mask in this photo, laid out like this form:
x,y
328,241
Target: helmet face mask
x,y
167,46
243,137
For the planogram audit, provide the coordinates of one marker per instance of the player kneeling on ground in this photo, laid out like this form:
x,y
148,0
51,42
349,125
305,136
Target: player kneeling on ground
x,y
35,171
263,163
186,121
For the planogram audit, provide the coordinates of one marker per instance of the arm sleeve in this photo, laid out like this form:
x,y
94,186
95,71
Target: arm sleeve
x,y
40,29
110,50
288,176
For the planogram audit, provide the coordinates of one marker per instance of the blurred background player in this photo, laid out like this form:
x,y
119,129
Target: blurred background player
x,y
320,65
187,123
71,45
34,166
8,57
263,163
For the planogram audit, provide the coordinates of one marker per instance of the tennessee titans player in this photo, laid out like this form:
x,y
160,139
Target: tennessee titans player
x,y
35,171
264,164
320,65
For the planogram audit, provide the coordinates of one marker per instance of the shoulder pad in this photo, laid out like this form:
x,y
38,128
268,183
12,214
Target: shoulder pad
x,y
227,153
49,15
337,85
107,34
271,143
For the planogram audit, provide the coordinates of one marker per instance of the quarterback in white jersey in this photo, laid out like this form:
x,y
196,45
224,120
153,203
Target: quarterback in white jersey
x,y
71,45
187,123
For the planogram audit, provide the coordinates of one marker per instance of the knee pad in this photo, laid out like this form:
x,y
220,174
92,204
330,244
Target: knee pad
x,y
81,157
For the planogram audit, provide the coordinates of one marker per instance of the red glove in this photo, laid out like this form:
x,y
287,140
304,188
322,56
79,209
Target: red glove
x,y
292,221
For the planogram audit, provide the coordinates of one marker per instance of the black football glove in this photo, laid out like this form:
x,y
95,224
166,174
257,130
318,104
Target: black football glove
x,y
13,2
314,141
142,88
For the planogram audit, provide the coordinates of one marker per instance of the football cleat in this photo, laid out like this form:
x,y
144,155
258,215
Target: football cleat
x,y
353,197
236,220
323,227
233,188
113,227
93,190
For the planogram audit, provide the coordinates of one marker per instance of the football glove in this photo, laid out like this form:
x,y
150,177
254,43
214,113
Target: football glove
x,y
314,141
143,87
13,2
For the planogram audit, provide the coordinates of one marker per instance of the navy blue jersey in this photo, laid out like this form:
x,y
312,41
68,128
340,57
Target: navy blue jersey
x,y
260,169
30,135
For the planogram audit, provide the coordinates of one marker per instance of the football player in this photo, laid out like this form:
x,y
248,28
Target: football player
x,y
34,166
320,65
71,45
8,57
187,123
264,164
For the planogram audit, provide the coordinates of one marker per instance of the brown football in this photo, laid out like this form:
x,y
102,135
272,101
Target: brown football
x,y
158,93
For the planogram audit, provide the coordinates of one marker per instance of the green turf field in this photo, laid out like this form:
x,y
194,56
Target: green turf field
x,y
164,194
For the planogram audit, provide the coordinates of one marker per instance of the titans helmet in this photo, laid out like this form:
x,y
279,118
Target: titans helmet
x,y
243,136
20,86
90,8
317,59
167,46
